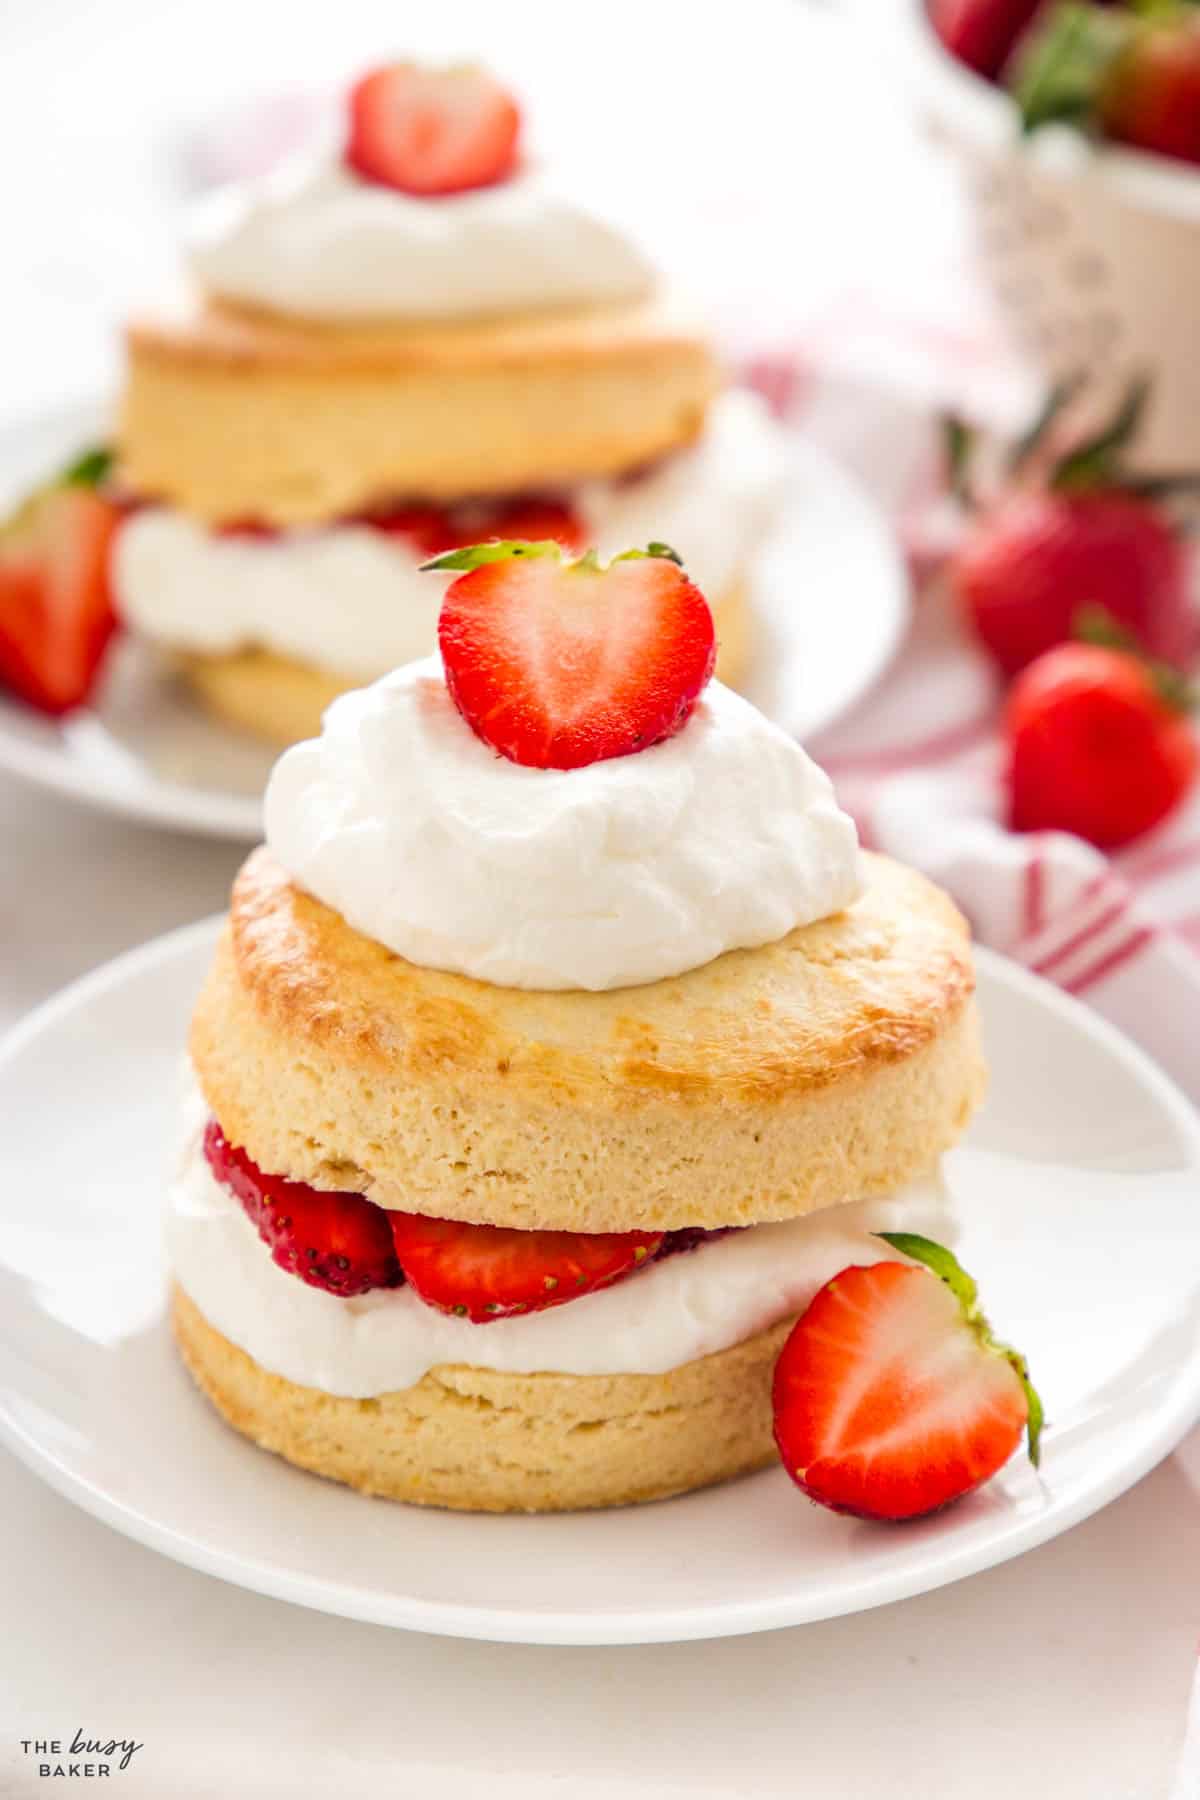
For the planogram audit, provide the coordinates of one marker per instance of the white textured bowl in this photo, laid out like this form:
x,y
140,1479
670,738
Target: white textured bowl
x,y
1093,251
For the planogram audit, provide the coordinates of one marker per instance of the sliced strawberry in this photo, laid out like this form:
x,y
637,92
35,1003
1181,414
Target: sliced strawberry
x,y
56,614
486,1272
434,530
891,1396
432,131
532,520
560,663
336,1241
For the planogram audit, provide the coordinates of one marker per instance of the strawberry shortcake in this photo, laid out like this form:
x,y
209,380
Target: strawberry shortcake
x,y
561,1045
408,339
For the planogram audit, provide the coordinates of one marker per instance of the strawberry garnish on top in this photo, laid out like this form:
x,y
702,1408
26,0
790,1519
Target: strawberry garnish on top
x,y
432,131
56,614
558,662
891,1396
1072,528
487,1272
337,1241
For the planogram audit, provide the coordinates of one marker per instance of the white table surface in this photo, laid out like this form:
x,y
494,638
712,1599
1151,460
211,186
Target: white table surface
x,y
1064,1674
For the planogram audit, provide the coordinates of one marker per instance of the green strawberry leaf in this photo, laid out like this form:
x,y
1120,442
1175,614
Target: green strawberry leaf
x,y
958,449
1093,463
1063,65
1059,396
663,551
946,1266
477,556
90,468
1096,625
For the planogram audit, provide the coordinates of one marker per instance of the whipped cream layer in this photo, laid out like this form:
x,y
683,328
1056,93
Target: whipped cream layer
x,y
631,869
351,599
315,240
669,1313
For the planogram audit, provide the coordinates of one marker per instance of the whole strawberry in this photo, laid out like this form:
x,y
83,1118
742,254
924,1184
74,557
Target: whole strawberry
x,y
1080,535
1152,96
891,1396
981,33
1098,744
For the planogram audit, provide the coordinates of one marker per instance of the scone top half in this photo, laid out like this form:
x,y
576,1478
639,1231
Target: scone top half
x,y
833,1064
357,329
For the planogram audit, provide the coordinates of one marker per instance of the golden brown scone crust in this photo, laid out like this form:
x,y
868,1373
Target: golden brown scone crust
x,y
832,1065
481,1441
282,700
232,414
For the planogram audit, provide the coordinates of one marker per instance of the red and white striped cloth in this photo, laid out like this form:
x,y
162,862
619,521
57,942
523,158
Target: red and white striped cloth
x,y
919,764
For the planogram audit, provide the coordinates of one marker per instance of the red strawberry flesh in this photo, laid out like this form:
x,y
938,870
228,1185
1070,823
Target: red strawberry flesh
x,y
889,1403
487,1272
332,1240
431,132
56,614
556,664
346,1244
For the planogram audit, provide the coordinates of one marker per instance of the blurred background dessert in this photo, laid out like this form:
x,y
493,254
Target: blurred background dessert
x,y
409,337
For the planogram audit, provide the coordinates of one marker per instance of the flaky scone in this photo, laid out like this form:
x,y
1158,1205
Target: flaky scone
x,y
836,1063
233,414
282,700
481,1440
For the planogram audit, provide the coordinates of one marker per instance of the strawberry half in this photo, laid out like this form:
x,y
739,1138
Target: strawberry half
x,y
891,1396
56,614
557,663
336,1241
486,1272
432,131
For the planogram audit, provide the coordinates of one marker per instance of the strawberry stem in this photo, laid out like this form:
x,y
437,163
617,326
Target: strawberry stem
x,y
958,449
663,551
477,556
1059,396
1061,71
946,1266
1096,625
1092,463
89,469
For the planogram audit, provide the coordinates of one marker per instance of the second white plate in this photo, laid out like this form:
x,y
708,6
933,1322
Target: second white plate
x,y
829,592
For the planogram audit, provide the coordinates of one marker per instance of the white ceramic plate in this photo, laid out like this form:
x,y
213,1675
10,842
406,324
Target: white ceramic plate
x,y
1078,1193
829,590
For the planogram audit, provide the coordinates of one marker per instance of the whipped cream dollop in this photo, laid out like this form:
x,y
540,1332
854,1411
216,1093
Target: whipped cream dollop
x,y
631,869
669,1313
352,600
315,240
